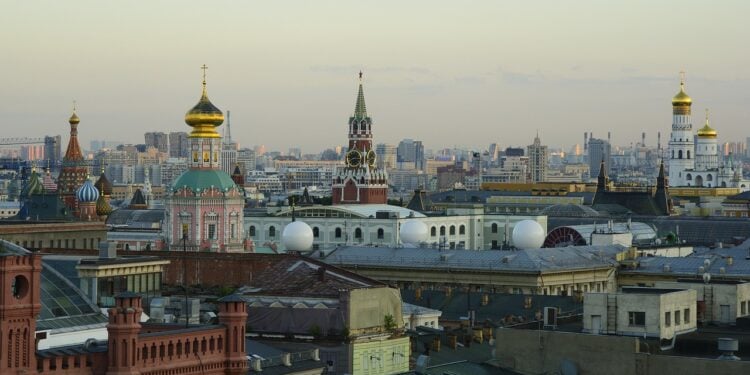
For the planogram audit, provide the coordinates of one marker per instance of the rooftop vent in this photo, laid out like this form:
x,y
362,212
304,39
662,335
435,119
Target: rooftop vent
x,y
727,347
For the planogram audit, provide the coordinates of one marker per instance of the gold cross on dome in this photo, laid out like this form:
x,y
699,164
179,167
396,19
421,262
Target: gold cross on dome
x,y
204,67
682,77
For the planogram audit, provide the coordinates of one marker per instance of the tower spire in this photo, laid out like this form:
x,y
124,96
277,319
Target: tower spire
x,y
205,68
360,109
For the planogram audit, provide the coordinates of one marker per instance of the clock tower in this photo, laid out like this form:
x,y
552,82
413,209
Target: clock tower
x,y
360,180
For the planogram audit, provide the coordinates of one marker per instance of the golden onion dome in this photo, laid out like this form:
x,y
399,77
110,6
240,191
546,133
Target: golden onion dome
x,y
707,131
74,120
682,98
204,117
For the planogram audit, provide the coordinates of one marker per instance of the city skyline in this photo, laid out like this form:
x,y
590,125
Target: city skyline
x,y
430,68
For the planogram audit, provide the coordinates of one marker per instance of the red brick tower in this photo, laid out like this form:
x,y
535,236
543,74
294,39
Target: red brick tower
x,y
74,171
360,181
19,306
123,328
233,314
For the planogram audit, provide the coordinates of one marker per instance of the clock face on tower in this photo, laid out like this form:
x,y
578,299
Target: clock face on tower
x,y
353,158
371,158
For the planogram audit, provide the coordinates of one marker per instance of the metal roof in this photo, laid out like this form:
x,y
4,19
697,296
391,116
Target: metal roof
x,y
538,260
358,210
713,261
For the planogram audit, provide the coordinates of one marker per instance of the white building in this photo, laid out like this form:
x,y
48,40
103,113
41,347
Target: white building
x,y
642,312
378,225
418,316
719,301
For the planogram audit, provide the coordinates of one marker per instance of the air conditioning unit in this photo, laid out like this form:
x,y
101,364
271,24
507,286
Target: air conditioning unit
x,y
550,317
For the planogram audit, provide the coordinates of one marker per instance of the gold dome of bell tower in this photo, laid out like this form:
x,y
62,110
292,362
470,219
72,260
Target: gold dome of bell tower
x,y
707,131
682,101
204,117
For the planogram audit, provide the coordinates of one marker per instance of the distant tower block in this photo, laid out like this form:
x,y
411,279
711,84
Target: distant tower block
x,y
585,142
609,137
643,139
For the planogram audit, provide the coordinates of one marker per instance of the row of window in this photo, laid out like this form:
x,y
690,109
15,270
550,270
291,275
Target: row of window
x,y
451,230
87,243
668,317
337,233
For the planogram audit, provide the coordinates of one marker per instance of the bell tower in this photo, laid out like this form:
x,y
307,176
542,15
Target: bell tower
x,y
20,274
360,180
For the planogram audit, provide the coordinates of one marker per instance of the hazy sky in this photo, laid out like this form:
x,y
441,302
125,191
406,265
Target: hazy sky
x,y
463,73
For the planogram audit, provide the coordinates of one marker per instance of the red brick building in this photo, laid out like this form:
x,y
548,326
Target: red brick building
x,y
132,348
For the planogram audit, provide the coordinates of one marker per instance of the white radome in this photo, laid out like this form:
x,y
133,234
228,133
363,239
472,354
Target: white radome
x,y
413,232
297,236
528,234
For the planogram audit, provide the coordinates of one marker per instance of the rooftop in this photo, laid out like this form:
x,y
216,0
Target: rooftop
x,y
305,277
538,260
355,210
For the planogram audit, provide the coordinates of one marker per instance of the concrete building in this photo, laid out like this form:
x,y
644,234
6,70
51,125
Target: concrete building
x,y
302,296
538,160
558,271
419,316
599,151
641,312
179,147
387,156
719,301
158,140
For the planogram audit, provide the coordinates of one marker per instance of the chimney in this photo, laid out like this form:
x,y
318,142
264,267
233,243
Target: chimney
x,y
107,250
321,274
485,299
286,359
418,294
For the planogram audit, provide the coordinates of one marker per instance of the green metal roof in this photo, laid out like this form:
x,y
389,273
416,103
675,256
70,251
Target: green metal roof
x,y
201,179
360,109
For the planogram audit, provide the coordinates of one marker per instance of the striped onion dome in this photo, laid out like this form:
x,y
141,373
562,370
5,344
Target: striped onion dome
x,y
87,193
34,186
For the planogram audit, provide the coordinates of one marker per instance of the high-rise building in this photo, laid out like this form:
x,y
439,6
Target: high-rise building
x,y
360,181
157,140
246,159
410,154
203,207
386,156
538,160
599,150
52,149
178,145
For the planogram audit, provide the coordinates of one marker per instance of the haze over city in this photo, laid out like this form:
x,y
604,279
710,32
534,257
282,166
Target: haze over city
x,y
497,71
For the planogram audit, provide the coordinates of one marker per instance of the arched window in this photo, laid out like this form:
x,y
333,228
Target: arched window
x,y
272,232
316,232
688,154
251,231
679,154
709,177
462,229
672,154
689,177
337,233
442,230
433,231
452,230
358,233
381,233
355,128
494,227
